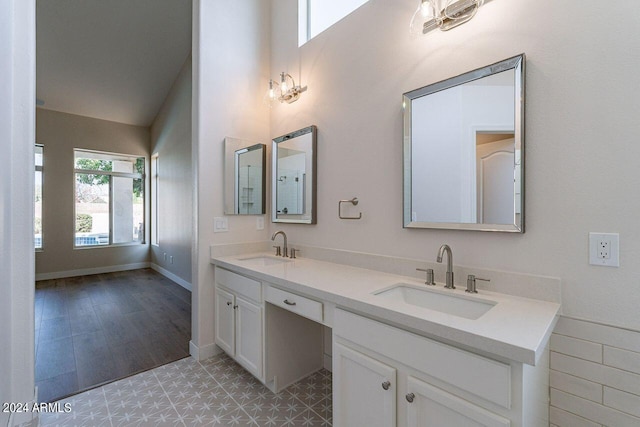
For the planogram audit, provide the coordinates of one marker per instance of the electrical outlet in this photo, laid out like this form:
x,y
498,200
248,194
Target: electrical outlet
x,y
260,223
165,256
604,249
171,259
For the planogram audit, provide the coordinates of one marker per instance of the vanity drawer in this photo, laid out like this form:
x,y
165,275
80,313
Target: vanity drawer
x,y
240,285
483,377
300,305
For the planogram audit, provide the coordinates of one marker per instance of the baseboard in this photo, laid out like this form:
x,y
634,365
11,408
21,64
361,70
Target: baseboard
x,y
204,352
328,362
89,271
169,275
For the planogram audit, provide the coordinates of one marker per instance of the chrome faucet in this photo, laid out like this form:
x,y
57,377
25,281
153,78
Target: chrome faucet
x,y
285,250
447,249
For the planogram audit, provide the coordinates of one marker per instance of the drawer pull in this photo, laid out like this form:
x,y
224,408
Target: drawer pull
x,y
235,307
386,385
289,302
410,397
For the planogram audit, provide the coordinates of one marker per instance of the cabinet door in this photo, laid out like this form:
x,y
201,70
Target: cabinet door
x,y
364,390
225,332
434,407
249,336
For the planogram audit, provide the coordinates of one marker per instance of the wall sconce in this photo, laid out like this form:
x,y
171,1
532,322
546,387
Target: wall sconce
x,y
286,91
442,14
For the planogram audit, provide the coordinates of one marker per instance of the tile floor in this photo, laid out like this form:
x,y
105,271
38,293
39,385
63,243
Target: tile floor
x,y
215,392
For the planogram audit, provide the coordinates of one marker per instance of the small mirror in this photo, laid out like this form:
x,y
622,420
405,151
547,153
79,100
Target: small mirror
x,y
294,177
244,177
464,151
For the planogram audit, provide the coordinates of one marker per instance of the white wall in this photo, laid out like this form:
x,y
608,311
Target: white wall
x,y
60,133
582,128
171,140
17,136
230,75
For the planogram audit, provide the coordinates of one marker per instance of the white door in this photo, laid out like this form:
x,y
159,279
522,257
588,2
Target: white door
x,y
364,390
434,407
249,336
225,315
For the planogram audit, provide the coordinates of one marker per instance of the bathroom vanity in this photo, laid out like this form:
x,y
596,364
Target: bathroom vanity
x,y
399,359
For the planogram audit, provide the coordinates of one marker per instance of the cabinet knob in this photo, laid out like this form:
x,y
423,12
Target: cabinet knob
x,y
229,303
235,306
386,385
410,397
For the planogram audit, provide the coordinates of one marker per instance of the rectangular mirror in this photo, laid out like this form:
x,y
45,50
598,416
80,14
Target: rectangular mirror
x,y
294,177
464,151
244,177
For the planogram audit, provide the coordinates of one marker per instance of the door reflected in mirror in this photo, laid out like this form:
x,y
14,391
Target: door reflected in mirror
x,y
463,153
244,189
294,170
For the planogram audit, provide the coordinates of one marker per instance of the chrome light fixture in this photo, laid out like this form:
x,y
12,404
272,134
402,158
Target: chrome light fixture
x,y
442,14
286,91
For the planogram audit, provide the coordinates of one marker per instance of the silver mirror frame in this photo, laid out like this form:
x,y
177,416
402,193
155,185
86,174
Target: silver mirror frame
x,y
516,63
313,130
233,147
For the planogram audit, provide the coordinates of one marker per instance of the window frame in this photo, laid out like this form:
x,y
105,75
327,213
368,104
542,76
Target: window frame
x,y
113,157
155,205
39,168
304,21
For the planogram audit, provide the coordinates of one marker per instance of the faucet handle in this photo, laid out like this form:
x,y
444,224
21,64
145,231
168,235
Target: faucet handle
x,y
471,283
293,253
430,276
278,250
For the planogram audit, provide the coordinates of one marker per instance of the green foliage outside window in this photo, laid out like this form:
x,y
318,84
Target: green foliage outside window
x,y
84,223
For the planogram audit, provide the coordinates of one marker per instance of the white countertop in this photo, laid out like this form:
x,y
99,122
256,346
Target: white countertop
x,y
515,328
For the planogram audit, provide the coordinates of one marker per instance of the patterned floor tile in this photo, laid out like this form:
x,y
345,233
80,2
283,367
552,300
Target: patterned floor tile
x,y
215,392
270,409
308,419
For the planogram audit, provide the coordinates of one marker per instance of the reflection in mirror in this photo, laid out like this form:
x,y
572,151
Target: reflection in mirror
x,y
294,177
244,186
463,153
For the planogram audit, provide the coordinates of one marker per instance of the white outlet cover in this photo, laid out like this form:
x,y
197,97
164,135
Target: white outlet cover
x,y
260,223
614,249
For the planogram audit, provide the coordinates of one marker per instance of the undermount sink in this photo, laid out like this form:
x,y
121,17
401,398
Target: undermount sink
x,y
457,305
264,260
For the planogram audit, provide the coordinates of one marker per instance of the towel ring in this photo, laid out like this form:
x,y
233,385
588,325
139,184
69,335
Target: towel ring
x,y
354,202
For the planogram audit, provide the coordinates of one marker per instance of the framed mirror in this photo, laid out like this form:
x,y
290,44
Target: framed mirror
x,y
464,151
293,182
244,177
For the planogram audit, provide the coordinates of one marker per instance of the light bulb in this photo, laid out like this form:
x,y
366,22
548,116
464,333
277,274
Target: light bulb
x,y
283,83
424,19
272,92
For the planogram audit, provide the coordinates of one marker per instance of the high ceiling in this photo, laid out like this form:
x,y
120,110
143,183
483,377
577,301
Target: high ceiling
x,y
110,59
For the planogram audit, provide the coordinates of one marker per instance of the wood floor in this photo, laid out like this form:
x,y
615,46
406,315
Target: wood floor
x,y
96,329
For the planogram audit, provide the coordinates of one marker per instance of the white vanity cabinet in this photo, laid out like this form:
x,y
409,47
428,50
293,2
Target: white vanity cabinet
x,y
238,326
364,389
387,376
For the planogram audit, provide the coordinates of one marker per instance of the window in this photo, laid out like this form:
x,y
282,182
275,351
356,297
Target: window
x,y
315,16
37,225
109,205
154,199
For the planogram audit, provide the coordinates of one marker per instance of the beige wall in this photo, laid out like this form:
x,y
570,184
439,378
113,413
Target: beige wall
x,y
60,133
171,140
230,73
583,104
